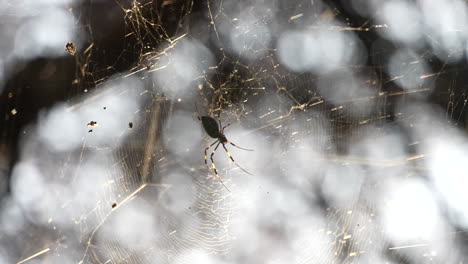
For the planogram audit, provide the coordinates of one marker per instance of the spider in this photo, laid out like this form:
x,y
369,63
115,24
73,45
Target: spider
x,y
212,129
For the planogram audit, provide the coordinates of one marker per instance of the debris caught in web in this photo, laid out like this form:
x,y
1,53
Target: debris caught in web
x,y
92,124
71,48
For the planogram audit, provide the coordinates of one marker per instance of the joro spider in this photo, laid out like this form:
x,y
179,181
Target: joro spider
x,y
212,129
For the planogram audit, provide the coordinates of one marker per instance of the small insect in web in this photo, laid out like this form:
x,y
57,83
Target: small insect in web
x,y
213,130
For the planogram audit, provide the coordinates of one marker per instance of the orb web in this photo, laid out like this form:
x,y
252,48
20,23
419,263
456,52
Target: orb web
x,y
329,108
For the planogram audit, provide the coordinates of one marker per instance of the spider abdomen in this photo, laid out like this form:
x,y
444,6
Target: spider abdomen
x,y
211,126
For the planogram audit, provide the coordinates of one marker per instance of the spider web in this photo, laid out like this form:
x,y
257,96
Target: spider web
x,y
342,131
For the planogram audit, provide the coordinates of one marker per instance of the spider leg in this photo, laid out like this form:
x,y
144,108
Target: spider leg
x,y
214,167
222,129
206,158
238,146
219,118
198,113
230,156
